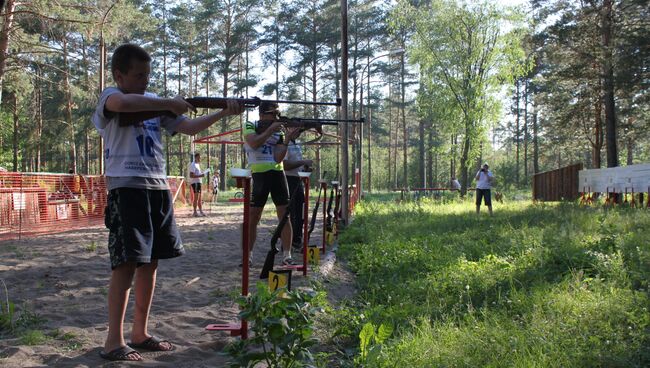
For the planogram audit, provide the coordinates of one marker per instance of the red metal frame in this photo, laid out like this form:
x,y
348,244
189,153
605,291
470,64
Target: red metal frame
x,y
209,138
240,329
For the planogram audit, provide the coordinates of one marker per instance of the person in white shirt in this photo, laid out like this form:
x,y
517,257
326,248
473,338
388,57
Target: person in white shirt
x,y
294,163
216,180
484,178
195,181
455,184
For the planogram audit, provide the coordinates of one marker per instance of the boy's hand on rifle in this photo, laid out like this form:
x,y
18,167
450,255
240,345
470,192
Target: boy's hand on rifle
x,y
179,106
275,127
233,107
293,133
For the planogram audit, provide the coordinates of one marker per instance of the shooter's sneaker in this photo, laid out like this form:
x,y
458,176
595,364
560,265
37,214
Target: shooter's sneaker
x,y
289,262
250,263
202,214
296,248
195,214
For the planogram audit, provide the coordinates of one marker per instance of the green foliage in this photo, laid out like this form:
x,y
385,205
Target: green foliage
x,y
91,248
13,322
535,285
33,337
371,342
282,326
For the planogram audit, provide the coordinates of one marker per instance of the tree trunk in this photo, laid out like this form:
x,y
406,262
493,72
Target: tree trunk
x,y
535,142
39,119
429,153
526,131
608,86
14,112
390,137
68,105
403,107
224,127
598,132
369,150
630,151
463,163
423,159
7,26
517,134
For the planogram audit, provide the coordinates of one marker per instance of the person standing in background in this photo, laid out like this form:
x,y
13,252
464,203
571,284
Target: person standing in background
x,y
216,180
294,163
484,179
195,181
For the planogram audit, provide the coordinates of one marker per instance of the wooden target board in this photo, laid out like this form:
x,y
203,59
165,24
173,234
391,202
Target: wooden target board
x,y
632,178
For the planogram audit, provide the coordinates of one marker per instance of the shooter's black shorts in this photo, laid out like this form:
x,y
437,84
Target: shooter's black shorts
x,y
196,187
142,226
483,193
273,182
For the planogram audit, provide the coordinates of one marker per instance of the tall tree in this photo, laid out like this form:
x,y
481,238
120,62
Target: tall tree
x,y
463,47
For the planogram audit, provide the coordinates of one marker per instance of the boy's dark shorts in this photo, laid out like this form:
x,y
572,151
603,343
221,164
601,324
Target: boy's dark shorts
x,y
273,182
142,226
483,193
196,187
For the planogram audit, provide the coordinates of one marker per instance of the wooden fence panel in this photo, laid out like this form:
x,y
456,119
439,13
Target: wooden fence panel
x,y
557,185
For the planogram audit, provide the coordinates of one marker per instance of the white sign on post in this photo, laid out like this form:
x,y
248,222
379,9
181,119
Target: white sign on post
x,y
20,201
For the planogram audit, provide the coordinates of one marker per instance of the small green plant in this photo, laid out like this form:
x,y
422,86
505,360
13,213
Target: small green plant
x,y
281,324
371,340
92,247
33,337
70,339
7,311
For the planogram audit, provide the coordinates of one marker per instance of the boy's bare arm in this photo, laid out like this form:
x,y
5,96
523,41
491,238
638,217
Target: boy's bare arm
x,y
280,152
132,102
193,126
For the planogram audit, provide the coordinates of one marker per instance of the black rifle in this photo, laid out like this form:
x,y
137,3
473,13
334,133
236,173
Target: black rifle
x,y
270,256
302,123
312,223
337,206
131,118
330,214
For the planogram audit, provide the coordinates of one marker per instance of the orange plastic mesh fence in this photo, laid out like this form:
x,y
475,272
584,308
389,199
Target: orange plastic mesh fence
x,y
42,203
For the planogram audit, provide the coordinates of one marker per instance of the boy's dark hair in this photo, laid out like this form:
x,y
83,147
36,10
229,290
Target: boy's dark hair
x,y
197,155
125,54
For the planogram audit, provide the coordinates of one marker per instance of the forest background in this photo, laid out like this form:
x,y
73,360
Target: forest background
x,y
528,89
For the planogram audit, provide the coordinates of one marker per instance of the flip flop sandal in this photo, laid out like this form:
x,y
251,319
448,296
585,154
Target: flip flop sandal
x,y
152,344
123,353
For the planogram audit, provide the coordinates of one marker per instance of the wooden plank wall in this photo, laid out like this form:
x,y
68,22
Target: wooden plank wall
x,y
557,185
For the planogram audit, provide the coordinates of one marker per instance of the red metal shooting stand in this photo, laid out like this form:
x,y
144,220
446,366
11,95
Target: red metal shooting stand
x,y
240,329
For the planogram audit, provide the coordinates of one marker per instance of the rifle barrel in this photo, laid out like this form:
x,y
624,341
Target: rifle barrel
x,y
337,103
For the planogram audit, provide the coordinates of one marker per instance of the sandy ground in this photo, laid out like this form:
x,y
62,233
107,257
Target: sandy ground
x,y
63,278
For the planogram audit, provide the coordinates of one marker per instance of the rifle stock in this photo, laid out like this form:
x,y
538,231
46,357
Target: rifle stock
x,y
312,223
131,118
330,214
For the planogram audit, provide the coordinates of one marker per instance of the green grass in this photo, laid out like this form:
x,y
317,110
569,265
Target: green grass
x,y
534,286
33,337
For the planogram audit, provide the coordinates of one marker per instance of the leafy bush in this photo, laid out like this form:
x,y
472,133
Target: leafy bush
x,y
282,327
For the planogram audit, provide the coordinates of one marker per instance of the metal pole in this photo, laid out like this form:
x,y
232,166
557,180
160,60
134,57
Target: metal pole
x,y
344,110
